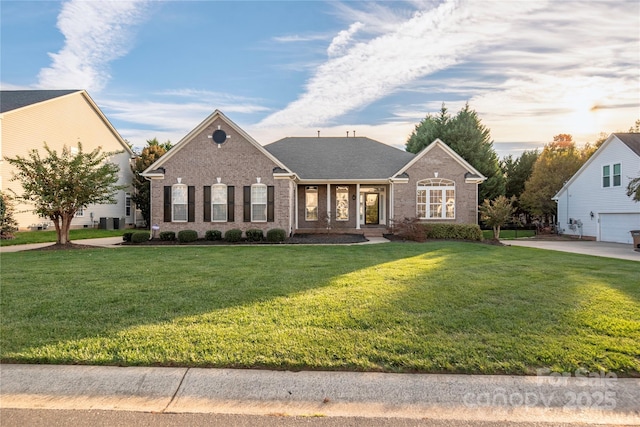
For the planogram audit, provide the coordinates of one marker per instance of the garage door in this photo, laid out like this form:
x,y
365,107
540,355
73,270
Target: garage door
x,y
616,227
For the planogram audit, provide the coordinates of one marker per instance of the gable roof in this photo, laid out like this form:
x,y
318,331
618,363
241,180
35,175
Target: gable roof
x,y
156,169
339,158
631,140
14,99
472,174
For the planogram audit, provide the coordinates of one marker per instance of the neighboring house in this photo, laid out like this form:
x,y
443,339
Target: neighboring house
x,y
218,177
29,118
594,203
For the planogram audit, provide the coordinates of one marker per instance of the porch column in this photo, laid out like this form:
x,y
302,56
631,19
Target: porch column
x,y
358,206
391,200
295,204
328,205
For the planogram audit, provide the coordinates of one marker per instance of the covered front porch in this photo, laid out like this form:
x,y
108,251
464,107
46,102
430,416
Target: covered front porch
x,y
343,207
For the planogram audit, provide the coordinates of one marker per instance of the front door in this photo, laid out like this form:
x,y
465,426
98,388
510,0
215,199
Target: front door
x,y
371,208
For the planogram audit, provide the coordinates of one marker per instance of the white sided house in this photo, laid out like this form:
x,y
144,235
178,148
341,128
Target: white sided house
x,y
594,202
31,118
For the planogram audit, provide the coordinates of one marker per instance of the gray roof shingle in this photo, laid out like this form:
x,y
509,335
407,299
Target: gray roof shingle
x,y
632,140
338,158
14,99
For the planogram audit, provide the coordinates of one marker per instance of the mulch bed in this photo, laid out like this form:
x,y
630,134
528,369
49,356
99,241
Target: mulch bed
x,y
294,240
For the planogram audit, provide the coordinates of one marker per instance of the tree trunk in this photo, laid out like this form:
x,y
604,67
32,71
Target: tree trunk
x,y
63,229
496,233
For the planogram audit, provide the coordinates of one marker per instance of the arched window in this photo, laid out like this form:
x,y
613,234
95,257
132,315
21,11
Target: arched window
x,y
179,200
436,199
219,203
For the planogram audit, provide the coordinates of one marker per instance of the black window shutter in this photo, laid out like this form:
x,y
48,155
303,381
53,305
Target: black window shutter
x,y
167,203
247,203
191,203
231,195
270,203
207,203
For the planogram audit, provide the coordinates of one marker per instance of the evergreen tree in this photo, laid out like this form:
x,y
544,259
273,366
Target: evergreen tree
x,y
8,224
468,137
141,187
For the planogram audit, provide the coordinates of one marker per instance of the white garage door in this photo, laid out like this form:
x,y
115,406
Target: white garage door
x,y
616,227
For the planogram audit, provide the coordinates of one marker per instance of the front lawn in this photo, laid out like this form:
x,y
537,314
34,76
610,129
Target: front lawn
x,y
27,237
401,307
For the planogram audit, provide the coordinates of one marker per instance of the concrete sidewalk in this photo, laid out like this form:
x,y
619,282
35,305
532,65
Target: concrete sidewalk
x,y
584,247
599,399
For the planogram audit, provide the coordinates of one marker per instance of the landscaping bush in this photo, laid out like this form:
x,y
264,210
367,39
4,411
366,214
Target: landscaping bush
x,y
140,236
453,231
186,236
410,229
276,235
167,235
213,235
233,235
126,237
255,235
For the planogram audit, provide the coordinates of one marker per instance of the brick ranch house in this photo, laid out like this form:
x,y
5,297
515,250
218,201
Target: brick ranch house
x,y
219,178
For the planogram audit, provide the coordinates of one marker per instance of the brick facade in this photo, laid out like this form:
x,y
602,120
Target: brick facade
x,y
240,162
437,160
237,163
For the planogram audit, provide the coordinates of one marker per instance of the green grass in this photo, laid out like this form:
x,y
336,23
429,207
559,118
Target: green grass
x,y
434,307
509,234
27,237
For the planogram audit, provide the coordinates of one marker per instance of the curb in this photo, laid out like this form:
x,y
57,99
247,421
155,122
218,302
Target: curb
x,y
601,399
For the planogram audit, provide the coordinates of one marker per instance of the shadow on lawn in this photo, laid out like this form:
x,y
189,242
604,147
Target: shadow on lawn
x,y
435,307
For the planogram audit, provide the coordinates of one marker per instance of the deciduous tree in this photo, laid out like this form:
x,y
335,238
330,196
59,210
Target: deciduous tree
x,y
8,223
61,183
556,164
468,137
496,213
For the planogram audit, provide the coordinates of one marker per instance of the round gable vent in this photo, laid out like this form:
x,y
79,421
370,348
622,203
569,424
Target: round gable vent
x,y
219,136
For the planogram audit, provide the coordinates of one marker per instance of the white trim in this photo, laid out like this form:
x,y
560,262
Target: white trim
x,y
358,206
590,160
448,150
217,114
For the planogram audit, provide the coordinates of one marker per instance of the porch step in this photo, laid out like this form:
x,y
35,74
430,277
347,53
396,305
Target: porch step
x,y
373,232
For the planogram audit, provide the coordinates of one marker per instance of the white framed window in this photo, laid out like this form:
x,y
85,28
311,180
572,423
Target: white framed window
x,y
219,203
612,175
179,199
258,203
311,203
436,199
127,204
79,212
342,203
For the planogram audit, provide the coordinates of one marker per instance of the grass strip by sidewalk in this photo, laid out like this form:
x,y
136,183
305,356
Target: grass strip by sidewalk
x,y
434,307
28,237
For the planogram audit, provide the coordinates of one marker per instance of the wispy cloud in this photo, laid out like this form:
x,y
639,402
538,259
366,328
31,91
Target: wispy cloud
x,y
96,33
430,40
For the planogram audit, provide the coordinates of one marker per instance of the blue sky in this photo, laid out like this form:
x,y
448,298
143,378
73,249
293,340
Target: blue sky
x,y
531,69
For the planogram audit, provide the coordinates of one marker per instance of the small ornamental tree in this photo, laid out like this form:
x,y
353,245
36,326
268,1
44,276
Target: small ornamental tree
x,y
60,184
8,224
633,189
497,213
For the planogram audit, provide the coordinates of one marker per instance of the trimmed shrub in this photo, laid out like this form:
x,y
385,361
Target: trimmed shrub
x,y
186,236
126,236
140,236
410,229
168,235
276,235
453,231
255,235
213,235
233,235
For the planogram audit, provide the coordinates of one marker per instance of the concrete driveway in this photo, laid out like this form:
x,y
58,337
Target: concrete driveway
x,y
585,247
